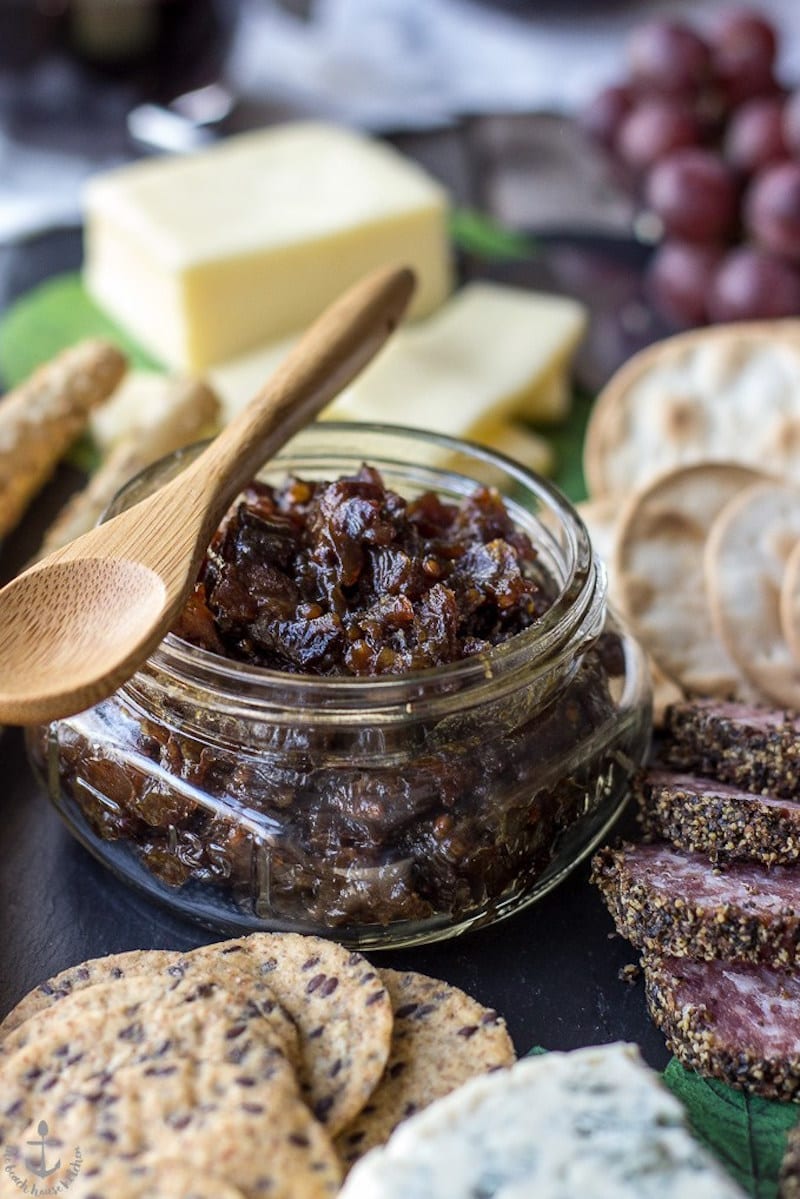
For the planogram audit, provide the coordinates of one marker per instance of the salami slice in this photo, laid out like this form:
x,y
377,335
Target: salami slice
x,y
717,819
679,904
739,1023
750,747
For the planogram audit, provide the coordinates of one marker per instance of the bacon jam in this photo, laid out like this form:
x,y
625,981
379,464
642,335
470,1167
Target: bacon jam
x,y
282,797
348,578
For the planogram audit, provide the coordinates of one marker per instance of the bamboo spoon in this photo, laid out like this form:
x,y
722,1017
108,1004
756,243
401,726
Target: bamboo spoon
x,y
78,623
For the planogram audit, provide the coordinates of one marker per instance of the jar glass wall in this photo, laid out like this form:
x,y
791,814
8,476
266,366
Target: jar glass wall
x,y
382,811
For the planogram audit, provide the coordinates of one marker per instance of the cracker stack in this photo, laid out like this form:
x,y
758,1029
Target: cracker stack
x,y
263,1066
692,459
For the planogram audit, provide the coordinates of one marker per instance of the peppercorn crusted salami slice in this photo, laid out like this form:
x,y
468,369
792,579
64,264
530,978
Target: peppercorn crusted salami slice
x,y
717,819
747,746
739,1023
676,903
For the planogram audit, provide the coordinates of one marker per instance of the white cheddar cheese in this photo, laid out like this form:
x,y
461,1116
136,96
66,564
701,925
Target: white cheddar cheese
x,y
205,256
594,1124
477,361
489,353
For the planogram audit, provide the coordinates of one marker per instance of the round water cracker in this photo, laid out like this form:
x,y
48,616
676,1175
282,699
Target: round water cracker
x,y
727,393
790,603
75,978
660,577
340,1007
442,1037
745,559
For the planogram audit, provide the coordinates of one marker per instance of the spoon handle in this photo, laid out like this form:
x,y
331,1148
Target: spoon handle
x,y
323,362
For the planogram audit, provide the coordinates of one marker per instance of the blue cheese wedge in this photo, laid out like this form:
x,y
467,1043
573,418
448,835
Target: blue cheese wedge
x,y
592,1124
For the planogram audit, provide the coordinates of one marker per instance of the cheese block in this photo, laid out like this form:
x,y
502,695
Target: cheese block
x,y
490,352
595,1123
204,256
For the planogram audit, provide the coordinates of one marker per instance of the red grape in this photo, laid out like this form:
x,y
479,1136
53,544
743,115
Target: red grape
x,y
694,193
655,128
743,48
668,57
754,137
772,209
678,278
791,124
753,284
603,115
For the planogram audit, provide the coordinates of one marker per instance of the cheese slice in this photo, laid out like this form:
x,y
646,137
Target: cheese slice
x,y
594,1124
202,257
490,353
477,361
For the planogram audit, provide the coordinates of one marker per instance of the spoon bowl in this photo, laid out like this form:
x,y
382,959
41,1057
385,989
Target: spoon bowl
x,y
116,620
80,622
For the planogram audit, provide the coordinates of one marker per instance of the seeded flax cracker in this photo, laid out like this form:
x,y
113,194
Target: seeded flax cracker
x,y
164,970
202,1080
140,1019
75,978
261,1140
442,1037
153,1177
727,393
745,559
659,570
341,1009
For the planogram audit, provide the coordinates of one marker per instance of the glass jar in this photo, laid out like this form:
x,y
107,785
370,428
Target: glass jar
x,y
381,811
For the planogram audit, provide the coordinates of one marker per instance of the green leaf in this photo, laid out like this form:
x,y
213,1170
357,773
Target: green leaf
x,y
746,1133
567,441
48,319
478,234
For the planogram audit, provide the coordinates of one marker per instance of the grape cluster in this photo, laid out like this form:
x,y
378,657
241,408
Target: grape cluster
x,y
711,142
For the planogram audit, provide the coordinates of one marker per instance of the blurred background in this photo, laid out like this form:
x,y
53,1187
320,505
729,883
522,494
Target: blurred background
x,y
86,83
567,120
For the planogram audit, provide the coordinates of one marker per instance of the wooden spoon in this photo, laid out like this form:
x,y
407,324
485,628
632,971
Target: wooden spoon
x,y
78,623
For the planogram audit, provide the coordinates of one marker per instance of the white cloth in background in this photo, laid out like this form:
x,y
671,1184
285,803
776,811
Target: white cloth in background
x,y
405,64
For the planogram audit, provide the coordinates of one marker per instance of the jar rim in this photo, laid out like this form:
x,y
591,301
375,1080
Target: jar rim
x,y
582,589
